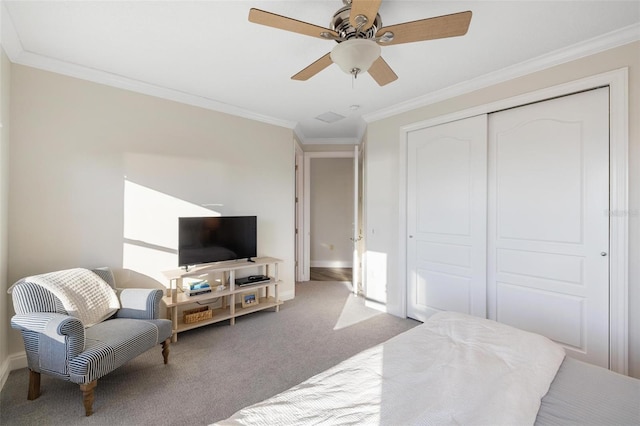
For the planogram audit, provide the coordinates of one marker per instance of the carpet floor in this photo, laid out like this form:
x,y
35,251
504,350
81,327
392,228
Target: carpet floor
x,y
214,371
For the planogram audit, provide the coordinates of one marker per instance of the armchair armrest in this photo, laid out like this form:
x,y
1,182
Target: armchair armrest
x,y
51,324
139,303
61,337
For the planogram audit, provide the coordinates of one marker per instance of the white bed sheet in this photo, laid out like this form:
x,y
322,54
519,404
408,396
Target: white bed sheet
x,y
454,369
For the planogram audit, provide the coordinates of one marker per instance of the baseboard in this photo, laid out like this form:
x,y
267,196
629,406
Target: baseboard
x,y
331,264
13,362
286,295
374,304
4,373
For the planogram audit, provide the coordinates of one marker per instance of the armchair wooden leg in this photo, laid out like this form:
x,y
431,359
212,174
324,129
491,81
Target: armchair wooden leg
x,y
165,350
87,396
34,385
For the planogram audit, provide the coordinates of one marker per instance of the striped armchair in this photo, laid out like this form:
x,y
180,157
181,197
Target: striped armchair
x,y
59,344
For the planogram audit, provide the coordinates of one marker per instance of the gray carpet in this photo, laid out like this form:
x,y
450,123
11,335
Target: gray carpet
x,y
215,370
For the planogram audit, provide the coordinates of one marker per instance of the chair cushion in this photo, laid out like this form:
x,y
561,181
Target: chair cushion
x,y
111,343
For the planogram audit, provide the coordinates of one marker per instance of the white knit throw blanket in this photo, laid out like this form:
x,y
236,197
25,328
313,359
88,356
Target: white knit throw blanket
x,y
83,294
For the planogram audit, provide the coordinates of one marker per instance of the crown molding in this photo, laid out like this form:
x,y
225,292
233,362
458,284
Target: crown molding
x,y
16,53
118,81
331,141
579,50
8,36
342,140
12,46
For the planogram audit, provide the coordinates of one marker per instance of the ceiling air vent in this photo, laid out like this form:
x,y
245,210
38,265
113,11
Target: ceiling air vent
x,y
330,117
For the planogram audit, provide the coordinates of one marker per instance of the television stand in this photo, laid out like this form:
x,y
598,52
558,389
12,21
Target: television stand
x,y
232,306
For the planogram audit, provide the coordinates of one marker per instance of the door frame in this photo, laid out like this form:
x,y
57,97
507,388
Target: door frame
x,y
618,83
299,213
308,156
355,238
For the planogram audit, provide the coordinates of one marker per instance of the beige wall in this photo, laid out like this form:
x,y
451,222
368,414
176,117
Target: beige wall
x,y
5,96
331,187
99,176
383,175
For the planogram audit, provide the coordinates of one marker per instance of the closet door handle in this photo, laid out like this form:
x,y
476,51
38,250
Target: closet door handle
x,y
603,253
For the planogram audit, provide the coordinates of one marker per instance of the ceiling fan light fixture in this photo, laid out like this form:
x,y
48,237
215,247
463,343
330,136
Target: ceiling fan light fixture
x,y
355,56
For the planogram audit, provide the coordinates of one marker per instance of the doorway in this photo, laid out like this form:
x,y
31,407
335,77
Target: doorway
x,y
331,274
332,216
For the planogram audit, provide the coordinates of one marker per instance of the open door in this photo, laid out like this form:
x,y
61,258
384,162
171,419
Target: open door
x,y
352,253
357,236
299,225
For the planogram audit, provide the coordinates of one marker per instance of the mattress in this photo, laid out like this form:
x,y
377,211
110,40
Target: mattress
x,y
455,370
583,394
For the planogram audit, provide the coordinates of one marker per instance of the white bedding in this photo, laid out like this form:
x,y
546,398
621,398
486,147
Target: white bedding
x,y
453,369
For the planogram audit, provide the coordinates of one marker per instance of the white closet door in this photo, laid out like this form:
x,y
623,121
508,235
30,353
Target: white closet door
x,y
446,218
548,225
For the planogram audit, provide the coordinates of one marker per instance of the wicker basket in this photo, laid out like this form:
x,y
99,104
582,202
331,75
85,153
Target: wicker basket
x,y
198,314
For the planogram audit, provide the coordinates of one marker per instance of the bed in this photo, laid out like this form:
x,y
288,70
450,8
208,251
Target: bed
x,y
455,369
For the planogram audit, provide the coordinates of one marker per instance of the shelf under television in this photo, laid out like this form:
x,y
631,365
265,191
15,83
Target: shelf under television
x,y
183,298
231,304
223,314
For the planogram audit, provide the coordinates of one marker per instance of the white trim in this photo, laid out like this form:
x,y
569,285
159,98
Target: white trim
x,y
287,295
331,264
15,361
4,373
331,141
374,304
619,225
355,237
18,360
299,185
307,201
17,54
585,48
10,40
121,82
402,211
363,225
617,81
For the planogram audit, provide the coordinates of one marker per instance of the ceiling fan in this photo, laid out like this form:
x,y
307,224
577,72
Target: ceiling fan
x,y
357,28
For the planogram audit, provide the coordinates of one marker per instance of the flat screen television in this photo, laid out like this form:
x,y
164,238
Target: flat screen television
x,y
216,239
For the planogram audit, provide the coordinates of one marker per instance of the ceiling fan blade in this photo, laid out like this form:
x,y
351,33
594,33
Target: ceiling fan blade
x,y
382,72
269,19
444,26
368,8
314,68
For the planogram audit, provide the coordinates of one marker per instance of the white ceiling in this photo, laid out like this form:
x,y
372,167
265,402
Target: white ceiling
x,y
207,53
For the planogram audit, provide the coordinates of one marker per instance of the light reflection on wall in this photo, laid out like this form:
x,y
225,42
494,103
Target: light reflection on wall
x,y
150,240
376,281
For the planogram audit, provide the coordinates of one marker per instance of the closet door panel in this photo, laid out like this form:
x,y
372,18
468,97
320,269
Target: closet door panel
x,y
548,228
446,219
555,315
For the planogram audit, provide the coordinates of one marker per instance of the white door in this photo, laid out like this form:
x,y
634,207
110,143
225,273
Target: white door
x,y
446,218
299,231
548,225
355,238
